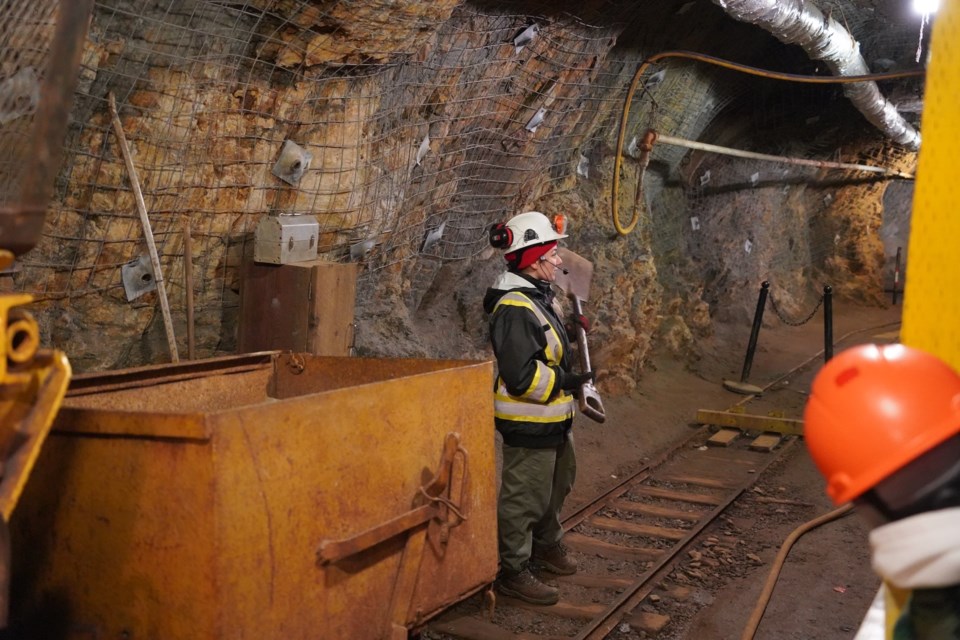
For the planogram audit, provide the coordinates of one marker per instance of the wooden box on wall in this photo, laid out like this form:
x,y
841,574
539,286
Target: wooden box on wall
x,y
304,307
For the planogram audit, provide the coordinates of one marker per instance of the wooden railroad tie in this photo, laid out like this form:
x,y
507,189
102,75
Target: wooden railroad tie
x,y
733,424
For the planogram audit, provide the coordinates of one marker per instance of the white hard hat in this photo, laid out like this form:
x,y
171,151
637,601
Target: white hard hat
x,y
530,228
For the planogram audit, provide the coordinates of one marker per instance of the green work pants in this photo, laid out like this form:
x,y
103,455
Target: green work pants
x,y
535,482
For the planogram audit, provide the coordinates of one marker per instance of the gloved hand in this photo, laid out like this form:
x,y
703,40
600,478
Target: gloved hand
x,y
572,381
577,321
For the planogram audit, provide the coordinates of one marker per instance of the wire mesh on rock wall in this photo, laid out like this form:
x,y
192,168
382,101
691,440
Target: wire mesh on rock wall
x,y
424,123
28,30
415,122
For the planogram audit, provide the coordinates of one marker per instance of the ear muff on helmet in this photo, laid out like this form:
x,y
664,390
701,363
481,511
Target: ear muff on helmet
x,y
501,236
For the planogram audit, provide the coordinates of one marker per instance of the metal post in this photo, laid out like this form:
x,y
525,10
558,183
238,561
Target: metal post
x,y
755,331
827,323
896,276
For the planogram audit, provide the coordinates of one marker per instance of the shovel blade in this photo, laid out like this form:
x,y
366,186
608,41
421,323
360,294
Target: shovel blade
x,y
579,274
590,403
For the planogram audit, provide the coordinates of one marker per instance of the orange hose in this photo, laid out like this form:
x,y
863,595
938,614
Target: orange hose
x,y
761,606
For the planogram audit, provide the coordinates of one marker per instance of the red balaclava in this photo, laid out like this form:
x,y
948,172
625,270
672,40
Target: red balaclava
x,y
523,258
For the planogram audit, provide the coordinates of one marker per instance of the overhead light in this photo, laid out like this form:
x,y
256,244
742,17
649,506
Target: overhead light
x,y
925,8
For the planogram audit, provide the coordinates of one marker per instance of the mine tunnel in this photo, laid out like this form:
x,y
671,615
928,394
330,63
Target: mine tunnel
x,y
479,319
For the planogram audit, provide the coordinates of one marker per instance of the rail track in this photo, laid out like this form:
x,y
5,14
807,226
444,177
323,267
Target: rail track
x,y
628,542
652,537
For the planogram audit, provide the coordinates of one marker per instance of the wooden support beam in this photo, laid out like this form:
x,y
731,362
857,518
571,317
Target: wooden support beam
x,y
751,422
147,230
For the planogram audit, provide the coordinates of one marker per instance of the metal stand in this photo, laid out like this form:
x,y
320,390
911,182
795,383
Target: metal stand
x,y
828,323
742,386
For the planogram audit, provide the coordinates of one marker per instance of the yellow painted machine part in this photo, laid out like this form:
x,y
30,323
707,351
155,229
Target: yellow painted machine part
x,y
931,311
33,383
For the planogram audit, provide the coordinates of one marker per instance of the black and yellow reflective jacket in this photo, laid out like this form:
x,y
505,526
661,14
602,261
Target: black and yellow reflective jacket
x,y
533,359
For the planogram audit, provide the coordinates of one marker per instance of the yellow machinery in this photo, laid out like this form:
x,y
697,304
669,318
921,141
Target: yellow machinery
x,y
42,42
931,310
931,306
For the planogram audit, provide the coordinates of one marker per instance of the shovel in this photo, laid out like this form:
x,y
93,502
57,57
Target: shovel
x,y
574,280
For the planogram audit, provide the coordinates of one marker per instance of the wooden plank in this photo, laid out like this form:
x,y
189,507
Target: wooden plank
x,y
679,496
303,307
675,592
655,511
333,297
766,442
583,544
750,422
727,458
471,628
724,437
651,623
700,481
274,302
637,529
784,501
562,609
597,582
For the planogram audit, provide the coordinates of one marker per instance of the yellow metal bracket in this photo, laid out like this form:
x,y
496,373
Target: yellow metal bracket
x,y
750,422
33,383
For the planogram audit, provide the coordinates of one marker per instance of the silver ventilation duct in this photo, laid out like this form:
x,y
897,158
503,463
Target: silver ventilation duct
x,y
799,22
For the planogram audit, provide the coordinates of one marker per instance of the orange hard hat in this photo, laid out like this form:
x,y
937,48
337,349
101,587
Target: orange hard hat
x,y
873,409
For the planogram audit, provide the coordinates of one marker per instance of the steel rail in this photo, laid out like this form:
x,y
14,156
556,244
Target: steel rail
x,y
603,624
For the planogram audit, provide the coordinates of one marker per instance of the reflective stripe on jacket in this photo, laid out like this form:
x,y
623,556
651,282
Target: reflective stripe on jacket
x,y
535,404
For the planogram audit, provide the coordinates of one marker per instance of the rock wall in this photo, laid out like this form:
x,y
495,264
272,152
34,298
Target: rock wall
x,y
419,115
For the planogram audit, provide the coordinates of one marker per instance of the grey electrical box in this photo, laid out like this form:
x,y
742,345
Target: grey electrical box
x,y
286,239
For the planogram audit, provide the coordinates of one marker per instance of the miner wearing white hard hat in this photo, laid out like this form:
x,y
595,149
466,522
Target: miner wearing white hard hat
x,y
533,407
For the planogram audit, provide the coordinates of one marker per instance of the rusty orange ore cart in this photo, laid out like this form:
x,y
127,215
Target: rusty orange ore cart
x,y
269,495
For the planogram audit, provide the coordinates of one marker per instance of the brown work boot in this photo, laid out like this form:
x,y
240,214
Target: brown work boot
x,y
525,586
555,559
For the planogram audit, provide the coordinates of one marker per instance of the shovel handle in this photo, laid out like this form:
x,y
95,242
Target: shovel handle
x,y
581,333
588,398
